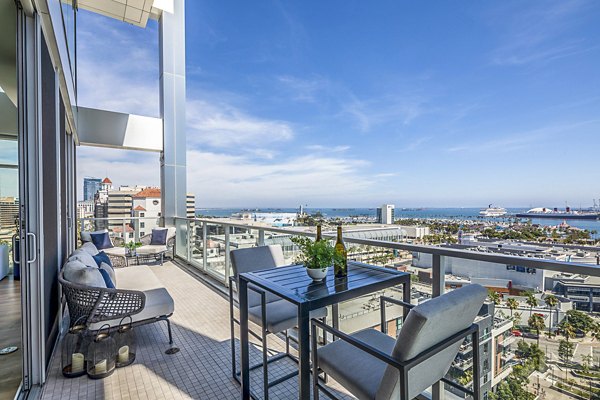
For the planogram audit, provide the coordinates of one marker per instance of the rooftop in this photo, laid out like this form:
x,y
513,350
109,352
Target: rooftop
x,y
148,192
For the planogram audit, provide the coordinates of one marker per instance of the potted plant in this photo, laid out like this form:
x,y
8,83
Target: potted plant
x,y
131,247
316,256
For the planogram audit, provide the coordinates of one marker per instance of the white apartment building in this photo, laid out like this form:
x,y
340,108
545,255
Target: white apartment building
x,y
147,207
385,214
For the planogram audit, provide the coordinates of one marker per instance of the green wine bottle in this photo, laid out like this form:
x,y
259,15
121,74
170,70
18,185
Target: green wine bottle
x,y
340,266
319,237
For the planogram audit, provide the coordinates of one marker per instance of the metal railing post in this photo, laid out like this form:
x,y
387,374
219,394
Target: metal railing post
x,y
227,267
261,237
204,246
438,287
189,241
123,233
136,229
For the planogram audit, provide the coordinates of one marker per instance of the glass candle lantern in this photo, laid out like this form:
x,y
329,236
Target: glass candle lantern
x,y
75,346
102,353
126,343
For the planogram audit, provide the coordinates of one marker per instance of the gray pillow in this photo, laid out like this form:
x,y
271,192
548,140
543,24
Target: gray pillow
x,y
76,272
84,257
89,248
111,272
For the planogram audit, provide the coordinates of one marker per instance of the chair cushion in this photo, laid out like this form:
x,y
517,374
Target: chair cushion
x,y
84,257
159,236
110,271
101,240
77,272
89,248
151,249
107,281
102,257
425,326
158,300
86,235
281,315
115,251
254,259
356,370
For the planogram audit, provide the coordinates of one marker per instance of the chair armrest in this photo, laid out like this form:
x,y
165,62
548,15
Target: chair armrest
x,y
383,300
386,358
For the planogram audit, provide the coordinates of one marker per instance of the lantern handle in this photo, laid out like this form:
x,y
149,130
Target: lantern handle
x,y
125,317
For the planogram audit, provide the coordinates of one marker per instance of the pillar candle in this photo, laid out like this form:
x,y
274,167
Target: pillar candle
x,y
123,354
100,368
77,362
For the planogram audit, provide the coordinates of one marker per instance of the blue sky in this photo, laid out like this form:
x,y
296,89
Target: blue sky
x,y
347,103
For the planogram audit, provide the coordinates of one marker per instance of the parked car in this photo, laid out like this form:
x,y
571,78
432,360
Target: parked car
x,y
517,333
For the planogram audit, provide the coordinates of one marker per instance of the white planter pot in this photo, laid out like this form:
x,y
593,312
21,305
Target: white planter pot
x,y
317,275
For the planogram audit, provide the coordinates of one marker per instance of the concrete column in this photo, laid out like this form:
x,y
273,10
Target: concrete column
x,y
172,112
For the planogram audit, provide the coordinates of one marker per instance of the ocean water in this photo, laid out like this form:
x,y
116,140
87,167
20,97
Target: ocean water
x,y
422,213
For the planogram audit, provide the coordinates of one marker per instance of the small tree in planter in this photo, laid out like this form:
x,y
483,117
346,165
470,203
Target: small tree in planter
x,y
131,247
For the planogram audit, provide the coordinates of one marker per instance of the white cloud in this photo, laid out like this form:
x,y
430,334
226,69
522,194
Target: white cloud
x,y
224,126
326,149
226,180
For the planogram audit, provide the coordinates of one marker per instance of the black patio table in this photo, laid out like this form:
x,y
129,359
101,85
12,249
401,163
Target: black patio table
x,y
294,285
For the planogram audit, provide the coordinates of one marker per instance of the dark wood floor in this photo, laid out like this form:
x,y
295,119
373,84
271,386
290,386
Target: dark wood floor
x,y
10,335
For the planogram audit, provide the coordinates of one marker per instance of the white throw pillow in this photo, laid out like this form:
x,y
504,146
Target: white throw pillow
x,y
89,248
76,272
86,236
84,257
111,272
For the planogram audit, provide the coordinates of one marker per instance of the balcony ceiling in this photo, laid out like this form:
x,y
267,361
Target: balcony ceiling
x,y
135,12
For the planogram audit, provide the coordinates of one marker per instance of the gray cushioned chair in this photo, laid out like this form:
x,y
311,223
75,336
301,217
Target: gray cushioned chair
x,y
372,365
267,310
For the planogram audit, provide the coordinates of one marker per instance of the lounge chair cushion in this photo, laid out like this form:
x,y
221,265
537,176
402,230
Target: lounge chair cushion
x,y
89,248
110,271
115,251
159,236
353,368
84,257
151,249
141,278
77,272
86,236
101,240
281,315
102,257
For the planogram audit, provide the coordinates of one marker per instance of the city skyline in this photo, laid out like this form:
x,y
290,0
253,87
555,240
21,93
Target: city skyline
x,y
401,103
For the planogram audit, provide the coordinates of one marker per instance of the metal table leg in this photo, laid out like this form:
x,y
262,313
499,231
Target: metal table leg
x,y
303,352
244,356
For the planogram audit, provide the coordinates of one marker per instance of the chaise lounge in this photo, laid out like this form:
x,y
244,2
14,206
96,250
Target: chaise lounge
x,y
95,300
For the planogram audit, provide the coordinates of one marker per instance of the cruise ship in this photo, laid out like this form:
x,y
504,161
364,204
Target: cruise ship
x,y
493,211
567,213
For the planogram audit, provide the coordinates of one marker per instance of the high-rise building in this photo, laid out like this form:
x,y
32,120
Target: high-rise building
x,y
101,203
90,187
385,214
191,205
9,212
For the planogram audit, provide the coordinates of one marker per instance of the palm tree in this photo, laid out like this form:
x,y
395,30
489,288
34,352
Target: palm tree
x,y
551,301
531,301
536,322
595,331
567,331
494,298
512,305
517,317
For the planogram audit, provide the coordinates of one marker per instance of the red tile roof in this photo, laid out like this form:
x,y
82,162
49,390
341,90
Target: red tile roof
x,y
106,180
139,208
148,192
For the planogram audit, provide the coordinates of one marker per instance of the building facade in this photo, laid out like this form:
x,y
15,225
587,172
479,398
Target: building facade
x,y
385,214
90,187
